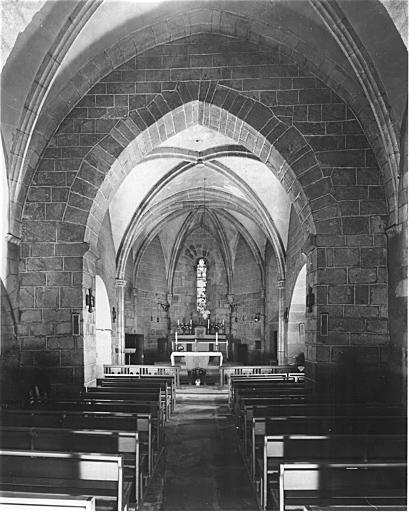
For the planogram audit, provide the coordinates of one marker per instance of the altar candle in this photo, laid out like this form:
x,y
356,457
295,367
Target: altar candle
x,y
217,338
208,324
190,322
178,321
176,337
223,322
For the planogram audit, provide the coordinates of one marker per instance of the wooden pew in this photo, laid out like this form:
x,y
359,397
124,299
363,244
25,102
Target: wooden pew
x,y
261,413
139,423
343,485
142,370
72,474
91,441
132,381
106,405
283,449
162,393
38,502
245,371
259,381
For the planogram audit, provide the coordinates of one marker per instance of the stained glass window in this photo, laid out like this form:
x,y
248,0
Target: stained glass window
x,y
201,281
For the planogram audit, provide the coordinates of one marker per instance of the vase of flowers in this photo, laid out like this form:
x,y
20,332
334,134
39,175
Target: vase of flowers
x,y
198,375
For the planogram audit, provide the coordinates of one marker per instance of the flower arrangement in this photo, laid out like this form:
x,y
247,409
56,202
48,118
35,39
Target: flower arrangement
x,y
198,374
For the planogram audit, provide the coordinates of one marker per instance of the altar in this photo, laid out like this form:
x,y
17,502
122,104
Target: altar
x,y
196,359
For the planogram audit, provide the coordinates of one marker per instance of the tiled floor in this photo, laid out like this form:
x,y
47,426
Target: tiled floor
x,y
202,468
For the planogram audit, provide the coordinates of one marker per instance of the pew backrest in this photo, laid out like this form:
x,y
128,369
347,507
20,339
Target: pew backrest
x,y
76,473
35,502
342,483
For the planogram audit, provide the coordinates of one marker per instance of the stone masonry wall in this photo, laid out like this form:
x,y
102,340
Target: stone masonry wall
x,y
247,294
151,287
333,174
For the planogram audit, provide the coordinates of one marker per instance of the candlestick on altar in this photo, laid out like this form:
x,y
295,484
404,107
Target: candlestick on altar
x,y
178,322
208,326
217,339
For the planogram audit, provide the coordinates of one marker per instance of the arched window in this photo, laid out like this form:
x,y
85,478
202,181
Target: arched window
x,y
201,282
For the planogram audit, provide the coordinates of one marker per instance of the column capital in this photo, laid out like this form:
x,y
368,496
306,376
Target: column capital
x,y
281,283
309,245
13,239
393,230
120,283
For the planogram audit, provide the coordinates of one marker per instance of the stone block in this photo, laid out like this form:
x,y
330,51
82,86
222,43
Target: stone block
x,y
63,328
336,338
315,96
373,207
366,339
46,297
341,295
70,232
370,176
46,358
60,342
30,316
331,112
74,263
361,311
27,297
361,294
73,249
84,188
41,329
342,158
58,278
318,189
346,324
322,353
33,343
60,195
32,278
346,257
355,225
34,211
71,298
39,231
55,211
330,241
375,256
76,215
353,355
52,263
39,194
56,315
332,226
72,357
42,249
379,294
362,275
377,325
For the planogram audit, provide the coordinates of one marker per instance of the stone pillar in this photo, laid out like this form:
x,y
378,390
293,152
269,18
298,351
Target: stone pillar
x,y
120,320
281,352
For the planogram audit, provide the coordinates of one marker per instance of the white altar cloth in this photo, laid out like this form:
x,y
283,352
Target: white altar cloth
x,y
195,358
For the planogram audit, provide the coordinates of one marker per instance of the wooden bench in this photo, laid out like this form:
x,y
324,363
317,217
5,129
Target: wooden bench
x,y
126,381
75,420
244,371
93,441
343,485
162,394
142,370
260,413
39,502
319,448
276,381
72,474
87,406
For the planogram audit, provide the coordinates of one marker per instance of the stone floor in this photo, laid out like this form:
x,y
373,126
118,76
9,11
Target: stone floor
x,y
202,468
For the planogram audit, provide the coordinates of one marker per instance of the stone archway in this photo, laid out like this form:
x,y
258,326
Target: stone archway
x,y
338,211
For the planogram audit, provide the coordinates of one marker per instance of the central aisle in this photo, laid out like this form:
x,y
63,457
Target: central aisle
x,y
202,468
